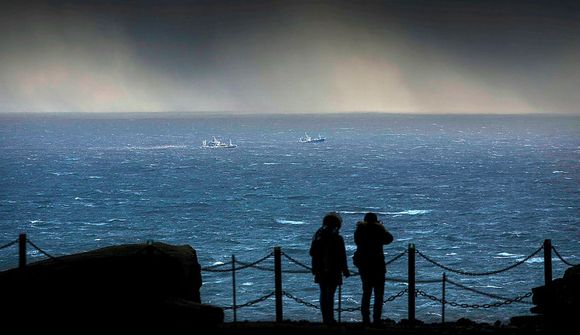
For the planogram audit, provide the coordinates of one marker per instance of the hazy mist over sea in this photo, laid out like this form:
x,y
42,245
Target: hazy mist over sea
x,y
498,57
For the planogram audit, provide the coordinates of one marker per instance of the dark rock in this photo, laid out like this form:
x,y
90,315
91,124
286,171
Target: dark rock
x,y
559,302
527,321
561,297
135,286
465,322
409,323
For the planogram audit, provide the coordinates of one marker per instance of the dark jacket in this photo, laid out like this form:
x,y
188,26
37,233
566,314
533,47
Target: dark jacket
x,y
369,239
328,256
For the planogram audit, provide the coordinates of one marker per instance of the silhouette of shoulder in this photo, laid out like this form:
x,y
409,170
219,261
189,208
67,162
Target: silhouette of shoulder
x,y
371,233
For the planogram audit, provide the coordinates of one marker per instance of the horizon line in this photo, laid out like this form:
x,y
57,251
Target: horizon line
x,y
160,114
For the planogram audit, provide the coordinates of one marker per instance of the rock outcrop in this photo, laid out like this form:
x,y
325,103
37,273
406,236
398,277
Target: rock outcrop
x,y
559,302
138,286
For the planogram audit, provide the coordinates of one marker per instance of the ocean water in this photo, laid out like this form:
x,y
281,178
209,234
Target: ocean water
x,y
475,193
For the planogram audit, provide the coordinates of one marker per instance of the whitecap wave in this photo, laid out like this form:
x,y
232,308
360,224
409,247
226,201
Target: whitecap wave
x,y
492,286
424,231
411,212
96,223
62,173
361,212
293,222
559,171
507,255
350,212
533,260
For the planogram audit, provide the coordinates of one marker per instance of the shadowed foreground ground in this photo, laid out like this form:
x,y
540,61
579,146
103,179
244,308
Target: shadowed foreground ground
x,y
462,326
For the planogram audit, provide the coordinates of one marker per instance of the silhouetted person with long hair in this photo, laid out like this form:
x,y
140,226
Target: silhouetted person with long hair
x,y
328,263
370,236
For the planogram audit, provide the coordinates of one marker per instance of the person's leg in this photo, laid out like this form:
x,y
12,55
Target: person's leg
x,y
379,288
327,302
366,300
331,292
323,300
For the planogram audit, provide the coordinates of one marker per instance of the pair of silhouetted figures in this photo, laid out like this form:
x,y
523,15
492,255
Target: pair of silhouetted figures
x,y
329,263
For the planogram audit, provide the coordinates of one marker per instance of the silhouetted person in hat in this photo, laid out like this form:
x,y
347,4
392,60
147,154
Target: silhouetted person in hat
x,y
328,263
370,236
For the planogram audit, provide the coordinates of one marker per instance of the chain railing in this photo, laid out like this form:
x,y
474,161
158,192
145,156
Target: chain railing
x,y
235,265
503,300
488,273
392,260
232,266
442,301
9,244
214,268
491,295
252,302
396,257
300,301
307,268
562,258
41,250
395,296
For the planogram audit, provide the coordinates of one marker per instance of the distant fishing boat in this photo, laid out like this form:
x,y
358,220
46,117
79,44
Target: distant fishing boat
x,y
308,139
214,143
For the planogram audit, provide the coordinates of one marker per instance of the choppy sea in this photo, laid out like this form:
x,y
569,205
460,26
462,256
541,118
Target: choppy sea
x,y
473,193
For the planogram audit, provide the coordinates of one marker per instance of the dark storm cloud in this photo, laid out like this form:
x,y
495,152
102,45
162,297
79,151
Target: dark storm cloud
x,y
272,56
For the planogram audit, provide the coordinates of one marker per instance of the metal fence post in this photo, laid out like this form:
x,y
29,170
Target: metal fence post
x,y
234,307
547,262
278,282
411,282
443,299
22,251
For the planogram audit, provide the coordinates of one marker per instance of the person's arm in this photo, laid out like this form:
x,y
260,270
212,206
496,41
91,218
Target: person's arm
x,y
314,256
314,243
343,261
387,237
358,235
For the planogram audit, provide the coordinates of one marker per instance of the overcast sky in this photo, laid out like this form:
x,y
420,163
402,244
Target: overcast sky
x,y
404,56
